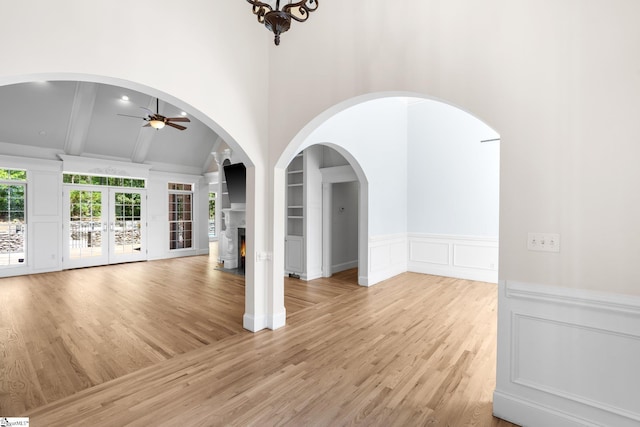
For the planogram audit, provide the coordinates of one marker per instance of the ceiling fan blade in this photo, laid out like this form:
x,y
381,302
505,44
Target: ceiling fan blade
x,y
178,119
148,125
173,125
127,115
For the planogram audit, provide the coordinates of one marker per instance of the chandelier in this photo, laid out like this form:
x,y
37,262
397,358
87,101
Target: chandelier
x,y
278,21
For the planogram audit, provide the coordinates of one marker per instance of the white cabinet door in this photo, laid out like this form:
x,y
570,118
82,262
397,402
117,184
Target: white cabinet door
x,y
294,250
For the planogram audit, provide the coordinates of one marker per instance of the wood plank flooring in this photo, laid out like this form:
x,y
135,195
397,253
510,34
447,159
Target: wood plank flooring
x,y
161,343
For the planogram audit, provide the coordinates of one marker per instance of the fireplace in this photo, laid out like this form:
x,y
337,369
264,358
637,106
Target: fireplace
x,y
233,239
242,248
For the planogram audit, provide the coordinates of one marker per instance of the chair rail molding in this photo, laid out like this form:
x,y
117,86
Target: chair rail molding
x,y
387,258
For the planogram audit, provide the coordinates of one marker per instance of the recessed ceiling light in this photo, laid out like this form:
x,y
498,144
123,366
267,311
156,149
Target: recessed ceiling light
x,y
125,98
184,113
42,133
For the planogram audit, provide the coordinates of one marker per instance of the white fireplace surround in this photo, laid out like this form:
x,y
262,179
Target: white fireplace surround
x,y
234,218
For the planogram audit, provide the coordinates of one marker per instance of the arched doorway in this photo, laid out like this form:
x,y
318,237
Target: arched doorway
x,y
322,223
88,96
385,135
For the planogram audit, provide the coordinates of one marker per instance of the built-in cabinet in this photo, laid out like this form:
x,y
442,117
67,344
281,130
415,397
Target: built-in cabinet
x,y
294,239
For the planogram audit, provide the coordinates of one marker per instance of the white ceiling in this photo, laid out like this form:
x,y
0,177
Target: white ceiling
x,y
44,119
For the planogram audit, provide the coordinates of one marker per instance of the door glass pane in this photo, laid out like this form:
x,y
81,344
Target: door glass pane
x,y
12,224
180,206
85,224
127,223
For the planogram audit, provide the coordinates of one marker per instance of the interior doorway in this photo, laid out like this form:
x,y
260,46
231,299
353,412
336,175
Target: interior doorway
x,y
339,227
103,225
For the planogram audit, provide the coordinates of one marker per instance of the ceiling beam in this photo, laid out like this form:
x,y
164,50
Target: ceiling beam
x,y
80,119
143,142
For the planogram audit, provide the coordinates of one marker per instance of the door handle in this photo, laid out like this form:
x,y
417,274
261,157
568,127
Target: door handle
x,y
104,227
112,227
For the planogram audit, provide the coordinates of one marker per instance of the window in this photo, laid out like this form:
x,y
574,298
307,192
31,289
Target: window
x,y
180,216
112,181
212,215
12,216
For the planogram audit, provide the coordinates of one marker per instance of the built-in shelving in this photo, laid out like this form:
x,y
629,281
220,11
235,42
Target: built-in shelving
x,y
294,241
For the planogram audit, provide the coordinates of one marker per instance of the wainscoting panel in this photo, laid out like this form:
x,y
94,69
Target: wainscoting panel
x,y
387,258
465,257
567,357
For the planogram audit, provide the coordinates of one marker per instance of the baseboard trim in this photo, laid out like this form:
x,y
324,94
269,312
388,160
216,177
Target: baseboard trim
x,y
458,273
522,412
254,323
344,266
311,275
278,320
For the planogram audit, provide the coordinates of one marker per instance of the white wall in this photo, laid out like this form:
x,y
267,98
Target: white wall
x,y
453,192
375,133
454,179
557,79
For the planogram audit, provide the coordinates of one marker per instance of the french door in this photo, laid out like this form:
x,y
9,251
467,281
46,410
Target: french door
x,y
103,226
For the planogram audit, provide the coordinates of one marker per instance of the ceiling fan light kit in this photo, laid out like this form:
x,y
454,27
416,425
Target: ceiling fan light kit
x,y
156,124
279,21
158,121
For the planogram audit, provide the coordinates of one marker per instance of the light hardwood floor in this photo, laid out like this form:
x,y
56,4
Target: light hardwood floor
x,y
161,343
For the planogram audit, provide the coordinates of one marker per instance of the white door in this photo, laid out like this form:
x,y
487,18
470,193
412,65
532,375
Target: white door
x,y
103,226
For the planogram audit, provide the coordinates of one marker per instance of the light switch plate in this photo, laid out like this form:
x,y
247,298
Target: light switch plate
x,y
543,242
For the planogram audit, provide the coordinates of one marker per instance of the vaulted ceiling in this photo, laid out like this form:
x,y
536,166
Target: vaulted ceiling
x,y
44,119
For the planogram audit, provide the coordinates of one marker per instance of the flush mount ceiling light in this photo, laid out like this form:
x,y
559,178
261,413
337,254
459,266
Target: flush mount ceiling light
x,y
279,21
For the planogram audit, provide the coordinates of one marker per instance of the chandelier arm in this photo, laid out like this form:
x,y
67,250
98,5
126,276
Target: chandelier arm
x,y
260,9
301,9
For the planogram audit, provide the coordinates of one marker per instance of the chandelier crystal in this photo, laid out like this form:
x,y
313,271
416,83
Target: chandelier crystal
x,y
279,21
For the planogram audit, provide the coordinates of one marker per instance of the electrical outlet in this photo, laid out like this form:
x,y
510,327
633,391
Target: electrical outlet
x,y
263,256
543,242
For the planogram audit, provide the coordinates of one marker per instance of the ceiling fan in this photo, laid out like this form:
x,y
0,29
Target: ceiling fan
x,y
158,121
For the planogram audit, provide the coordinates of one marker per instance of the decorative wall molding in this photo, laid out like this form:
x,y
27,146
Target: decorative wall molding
x,y
465,257
387,258
51,165
567,357
94,166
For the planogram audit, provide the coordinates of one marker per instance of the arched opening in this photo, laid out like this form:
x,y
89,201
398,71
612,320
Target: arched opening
x,y
83,119
325,223
432,184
